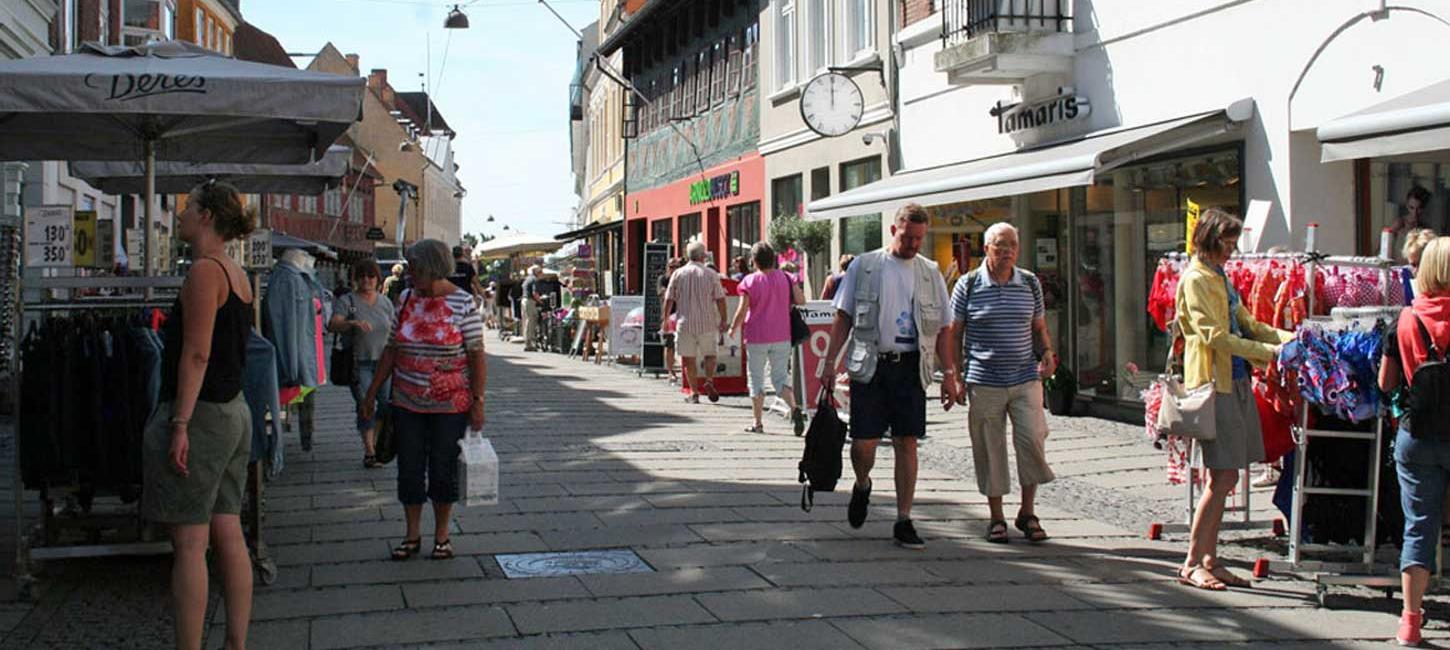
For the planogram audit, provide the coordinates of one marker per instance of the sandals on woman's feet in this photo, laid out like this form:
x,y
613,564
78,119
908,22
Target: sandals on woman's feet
x,y
1200,578
1227,577
710,391
371,462
1031,528
407,549
442,550
997,531
755,428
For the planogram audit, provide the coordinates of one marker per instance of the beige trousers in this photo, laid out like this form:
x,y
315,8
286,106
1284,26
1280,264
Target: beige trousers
x,y
989,410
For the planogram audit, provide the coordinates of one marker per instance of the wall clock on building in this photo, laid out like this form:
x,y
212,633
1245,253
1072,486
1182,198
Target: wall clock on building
x,y
832,104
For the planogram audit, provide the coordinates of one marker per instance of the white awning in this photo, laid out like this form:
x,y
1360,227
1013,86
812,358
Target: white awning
x,y
1416,123
1049,167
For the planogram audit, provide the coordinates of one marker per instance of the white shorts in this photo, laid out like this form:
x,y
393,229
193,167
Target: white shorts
x,y
696,346
778,354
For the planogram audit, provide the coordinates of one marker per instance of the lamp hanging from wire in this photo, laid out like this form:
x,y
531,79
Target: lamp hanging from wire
x,y
456,19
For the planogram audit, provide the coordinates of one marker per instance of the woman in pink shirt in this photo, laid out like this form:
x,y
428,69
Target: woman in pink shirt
x,y
766,298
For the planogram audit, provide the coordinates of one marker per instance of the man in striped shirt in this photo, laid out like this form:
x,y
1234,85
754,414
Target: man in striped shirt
x,y
698,298
1009,351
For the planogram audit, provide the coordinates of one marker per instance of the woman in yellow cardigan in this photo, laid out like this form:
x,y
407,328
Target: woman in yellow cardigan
x,y
1221,340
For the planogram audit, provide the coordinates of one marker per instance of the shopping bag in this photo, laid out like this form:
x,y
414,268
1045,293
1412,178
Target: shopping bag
x,y
1187,413
477,470
385,445
820,466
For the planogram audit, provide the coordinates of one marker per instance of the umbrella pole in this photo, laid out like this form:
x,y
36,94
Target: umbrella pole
x,y
150,208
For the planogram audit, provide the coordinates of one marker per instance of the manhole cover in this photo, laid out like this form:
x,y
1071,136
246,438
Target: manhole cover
x,y
543,565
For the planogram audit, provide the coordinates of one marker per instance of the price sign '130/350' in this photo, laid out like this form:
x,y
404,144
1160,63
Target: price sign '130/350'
x,y
49,232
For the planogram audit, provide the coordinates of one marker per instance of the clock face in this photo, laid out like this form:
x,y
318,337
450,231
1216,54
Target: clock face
x,y
832,104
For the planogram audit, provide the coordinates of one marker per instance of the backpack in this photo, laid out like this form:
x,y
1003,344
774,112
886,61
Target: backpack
x,y
1429,387
820,465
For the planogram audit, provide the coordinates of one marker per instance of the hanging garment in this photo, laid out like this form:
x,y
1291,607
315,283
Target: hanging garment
x,y
260,388
291,323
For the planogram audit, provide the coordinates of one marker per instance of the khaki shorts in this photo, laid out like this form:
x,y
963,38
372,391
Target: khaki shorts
x,y
220,437
989,410
696,346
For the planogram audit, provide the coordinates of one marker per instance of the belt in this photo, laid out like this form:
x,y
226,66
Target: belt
x,y
898,357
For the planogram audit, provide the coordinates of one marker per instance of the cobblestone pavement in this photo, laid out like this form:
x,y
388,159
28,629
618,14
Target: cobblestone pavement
x,y
593,457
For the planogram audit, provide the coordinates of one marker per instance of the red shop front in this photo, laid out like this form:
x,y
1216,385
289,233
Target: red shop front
x,y
720,207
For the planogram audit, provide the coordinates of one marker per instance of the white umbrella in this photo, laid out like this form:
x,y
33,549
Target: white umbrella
x,y
516,243
169,101
116,177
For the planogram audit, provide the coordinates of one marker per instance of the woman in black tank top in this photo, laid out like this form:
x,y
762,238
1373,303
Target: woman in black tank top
x,y
199,440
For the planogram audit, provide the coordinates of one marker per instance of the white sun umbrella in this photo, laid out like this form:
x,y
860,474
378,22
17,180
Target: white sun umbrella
x,y
129,177
509,244
169,101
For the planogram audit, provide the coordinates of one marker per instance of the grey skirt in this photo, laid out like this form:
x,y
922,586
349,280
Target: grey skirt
x,y
1240,441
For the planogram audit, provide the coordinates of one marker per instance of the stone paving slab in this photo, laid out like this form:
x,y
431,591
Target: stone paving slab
x,y
607,614
985,598
580,641
492,591
804,635
410,626
266,634
321,602
950,631
388,571
706,555
826,574
798,604
681,581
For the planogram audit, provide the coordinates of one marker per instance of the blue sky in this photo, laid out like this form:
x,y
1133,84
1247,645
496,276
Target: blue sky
x,y
504,88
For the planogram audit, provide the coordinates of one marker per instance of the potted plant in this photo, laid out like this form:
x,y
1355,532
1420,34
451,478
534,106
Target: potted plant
x,y
1060,391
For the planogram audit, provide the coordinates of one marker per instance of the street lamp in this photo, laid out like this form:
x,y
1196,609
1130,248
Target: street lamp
x,y
456,19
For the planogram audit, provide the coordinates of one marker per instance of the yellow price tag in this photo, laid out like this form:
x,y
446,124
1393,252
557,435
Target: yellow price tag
x,y
1191,222
85,238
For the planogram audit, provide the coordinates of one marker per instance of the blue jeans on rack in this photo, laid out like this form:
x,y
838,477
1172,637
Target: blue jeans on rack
x,y
1424,467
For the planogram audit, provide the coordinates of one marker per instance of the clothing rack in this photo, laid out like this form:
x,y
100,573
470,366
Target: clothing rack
x,y
1364,572
27,550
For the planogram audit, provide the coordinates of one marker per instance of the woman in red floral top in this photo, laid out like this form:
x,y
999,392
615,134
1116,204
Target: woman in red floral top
x,y
436,362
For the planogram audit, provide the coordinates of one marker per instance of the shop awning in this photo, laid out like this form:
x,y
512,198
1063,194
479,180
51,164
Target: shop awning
x,y
506,245
1048,167
1416,123
591,229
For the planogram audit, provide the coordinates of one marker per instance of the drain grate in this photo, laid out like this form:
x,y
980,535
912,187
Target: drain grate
x,y
543,565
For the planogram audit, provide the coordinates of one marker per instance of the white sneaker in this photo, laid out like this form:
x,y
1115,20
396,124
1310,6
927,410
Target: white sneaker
x,y
1266,478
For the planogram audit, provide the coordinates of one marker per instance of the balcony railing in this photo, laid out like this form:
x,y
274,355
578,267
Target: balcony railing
x,y
963,20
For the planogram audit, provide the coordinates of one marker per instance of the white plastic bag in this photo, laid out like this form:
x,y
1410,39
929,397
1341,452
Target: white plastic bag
x,y
477,470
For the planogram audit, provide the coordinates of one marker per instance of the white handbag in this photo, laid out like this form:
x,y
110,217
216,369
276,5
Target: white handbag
x,y
477,470
1187,413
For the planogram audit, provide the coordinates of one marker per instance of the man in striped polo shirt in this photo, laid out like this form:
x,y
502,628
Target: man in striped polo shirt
x,y
1009,351
698,300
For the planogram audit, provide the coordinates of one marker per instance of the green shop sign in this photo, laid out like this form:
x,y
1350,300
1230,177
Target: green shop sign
x,y
714,189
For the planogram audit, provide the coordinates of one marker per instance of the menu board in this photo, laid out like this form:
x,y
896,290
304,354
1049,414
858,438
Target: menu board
x,y
656,264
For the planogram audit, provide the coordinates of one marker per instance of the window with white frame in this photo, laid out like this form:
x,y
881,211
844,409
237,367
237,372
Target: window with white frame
x,y
200,33
72,26
702,80
748,72
355,208
687,87
143,21
785,54
717,72
818,36
732,70
677,97
860,24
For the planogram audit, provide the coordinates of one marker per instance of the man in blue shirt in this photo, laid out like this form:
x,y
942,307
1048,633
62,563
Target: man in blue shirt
x,y
1009,351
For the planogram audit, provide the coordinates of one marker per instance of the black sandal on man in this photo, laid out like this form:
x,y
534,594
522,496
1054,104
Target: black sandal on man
x,y
997,532
1031,528
407,549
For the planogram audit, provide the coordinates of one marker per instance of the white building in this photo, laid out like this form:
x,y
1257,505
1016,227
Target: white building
x,y
1091,124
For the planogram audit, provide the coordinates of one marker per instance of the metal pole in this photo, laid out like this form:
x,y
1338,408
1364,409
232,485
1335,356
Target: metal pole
x,y
147,265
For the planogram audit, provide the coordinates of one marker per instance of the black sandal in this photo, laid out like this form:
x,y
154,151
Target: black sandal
x,y
997,531
407,549
371,462
1031,528
442,550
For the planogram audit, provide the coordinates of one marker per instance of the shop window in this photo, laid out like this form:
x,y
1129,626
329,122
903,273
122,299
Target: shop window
x,y
689,230
662,232
1403,197
820,183
742,226
860,234
785,196
785,64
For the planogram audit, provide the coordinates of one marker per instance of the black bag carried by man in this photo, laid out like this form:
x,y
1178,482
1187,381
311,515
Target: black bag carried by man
x,y
820,466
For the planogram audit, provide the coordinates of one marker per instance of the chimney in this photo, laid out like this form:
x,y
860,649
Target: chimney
x,y
352,61
377,79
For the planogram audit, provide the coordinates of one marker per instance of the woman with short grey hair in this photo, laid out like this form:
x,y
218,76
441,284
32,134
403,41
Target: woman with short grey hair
x,y
436,363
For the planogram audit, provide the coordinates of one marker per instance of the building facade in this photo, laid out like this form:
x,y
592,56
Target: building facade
x,y
1077,128
692,169
801,39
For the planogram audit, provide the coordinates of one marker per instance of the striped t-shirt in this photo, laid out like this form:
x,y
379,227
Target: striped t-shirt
x,y
431,340
998,321
696,291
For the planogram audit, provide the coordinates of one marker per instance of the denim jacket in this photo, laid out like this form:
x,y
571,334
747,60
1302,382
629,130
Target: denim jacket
x,y
259,385
291,322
